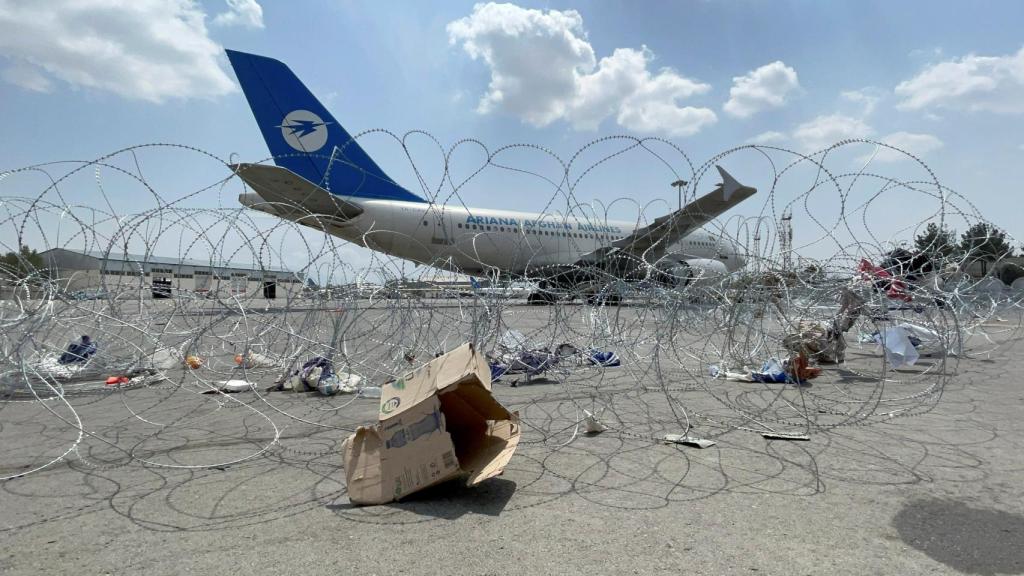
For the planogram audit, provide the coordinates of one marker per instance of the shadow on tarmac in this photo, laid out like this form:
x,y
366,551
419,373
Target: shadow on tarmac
x,y
969,540
452,500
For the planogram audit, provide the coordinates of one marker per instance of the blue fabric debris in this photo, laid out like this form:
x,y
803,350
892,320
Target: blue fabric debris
x,y
78,351
326,369
514,355
771,371
604,358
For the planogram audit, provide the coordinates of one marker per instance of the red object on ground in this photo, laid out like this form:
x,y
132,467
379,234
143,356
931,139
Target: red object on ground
x,y
117,380
895,288
800,369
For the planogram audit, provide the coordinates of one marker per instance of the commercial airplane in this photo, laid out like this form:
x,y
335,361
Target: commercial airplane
x,y
322,178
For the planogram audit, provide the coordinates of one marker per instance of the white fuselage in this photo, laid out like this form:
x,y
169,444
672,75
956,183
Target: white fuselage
x,y
481,240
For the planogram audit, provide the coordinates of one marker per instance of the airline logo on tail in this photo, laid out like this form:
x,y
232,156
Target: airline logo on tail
x,y
304,130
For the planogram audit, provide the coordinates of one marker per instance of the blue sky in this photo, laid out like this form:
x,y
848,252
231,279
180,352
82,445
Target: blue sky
x,y
944,80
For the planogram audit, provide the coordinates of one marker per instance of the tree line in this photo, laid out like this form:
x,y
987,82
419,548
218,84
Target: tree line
x,y
937,246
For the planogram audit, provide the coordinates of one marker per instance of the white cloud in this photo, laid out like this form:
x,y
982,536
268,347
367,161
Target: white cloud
x,y
151,50
917,144
245,13
757,90
866,98
28,77
770,137
544,69
974,83
824,131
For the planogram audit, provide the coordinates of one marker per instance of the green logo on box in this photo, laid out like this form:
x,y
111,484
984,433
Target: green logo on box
x,y
390,406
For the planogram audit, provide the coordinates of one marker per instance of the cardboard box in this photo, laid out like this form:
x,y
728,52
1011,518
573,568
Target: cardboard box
x,y
437,423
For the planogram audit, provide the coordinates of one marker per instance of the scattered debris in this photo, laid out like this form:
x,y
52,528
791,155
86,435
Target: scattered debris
x,y
255,360
78,352
437,423
232,386
772,371
899,351
591,424
688,440
783,436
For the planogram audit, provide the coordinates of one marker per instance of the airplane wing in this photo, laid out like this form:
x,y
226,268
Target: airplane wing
x,y
283,193
650,242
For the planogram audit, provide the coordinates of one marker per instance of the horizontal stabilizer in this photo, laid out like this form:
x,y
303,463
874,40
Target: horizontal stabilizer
x,y
283,193
666,230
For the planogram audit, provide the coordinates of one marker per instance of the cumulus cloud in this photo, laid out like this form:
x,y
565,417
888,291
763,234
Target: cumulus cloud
x,y
151,50
757,90
544,69
866,98
824,131
973,83
769,137
917,144
27,77
245,13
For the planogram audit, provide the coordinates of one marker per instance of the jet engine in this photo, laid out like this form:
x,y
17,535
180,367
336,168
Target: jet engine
x,y
690,272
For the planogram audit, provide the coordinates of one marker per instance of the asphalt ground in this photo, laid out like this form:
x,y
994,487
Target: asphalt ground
x,y
921,476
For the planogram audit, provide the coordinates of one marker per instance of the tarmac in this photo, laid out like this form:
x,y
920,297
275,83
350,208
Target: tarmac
x,y
940,491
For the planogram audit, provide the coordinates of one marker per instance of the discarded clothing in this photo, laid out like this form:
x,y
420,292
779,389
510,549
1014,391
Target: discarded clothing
x,y
738,376
515,355
824,341
78,352
604,358
772,371
346,383
883,280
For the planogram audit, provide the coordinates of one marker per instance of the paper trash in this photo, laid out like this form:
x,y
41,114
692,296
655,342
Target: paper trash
x,y
437,423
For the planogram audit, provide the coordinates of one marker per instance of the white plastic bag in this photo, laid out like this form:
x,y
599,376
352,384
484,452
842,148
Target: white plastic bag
x,y
899,351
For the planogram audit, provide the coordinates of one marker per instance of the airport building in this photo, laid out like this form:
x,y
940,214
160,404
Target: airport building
x,y
88,273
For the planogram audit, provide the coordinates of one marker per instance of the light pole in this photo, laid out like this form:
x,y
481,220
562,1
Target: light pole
x,y
679,185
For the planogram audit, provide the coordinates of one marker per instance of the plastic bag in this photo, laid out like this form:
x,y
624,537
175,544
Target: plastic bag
x,y
899,351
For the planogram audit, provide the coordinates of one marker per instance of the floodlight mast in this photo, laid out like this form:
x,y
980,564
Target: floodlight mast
x,y
679,185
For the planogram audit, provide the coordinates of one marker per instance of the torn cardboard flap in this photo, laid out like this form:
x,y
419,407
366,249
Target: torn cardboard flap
x,y
460,365
437,423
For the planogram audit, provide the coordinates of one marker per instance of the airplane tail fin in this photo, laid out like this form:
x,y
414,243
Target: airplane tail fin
x,y
304,137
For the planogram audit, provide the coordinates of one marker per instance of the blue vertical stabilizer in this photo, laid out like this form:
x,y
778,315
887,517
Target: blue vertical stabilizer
x,y
304,137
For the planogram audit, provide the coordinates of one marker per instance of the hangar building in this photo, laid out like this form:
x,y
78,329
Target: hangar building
x,y
92,271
